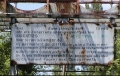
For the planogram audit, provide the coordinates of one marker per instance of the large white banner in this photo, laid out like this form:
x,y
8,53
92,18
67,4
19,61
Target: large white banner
x,y
62,44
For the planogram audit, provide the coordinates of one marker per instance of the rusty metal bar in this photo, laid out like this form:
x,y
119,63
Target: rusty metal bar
x,y
51,20
100,12
75,20
44,15
41,1
105,2
61,71
77,3
47,1
119,7
80,1
5,6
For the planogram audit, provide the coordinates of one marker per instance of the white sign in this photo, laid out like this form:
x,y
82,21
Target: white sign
x,y
62,44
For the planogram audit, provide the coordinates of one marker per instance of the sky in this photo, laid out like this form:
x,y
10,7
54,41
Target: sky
x,y
33,6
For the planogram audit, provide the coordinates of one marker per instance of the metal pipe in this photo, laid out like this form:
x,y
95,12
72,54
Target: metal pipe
x,y
64,69
12,71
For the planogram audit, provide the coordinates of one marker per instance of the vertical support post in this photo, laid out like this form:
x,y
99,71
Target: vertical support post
x,y
119,7
48,7
5,6
63,70
13,70
15,5
66,69
115,33
13,64
77,3
16,70
115,36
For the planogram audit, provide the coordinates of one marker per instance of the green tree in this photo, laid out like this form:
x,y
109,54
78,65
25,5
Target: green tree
x,y
97,6
26,70
68,68
58,68
5,50
87,6
116,64
4,53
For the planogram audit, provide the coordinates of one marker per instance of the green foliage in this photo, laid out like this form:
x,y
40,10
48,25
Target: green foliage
x,y
58,68
5,50
1,7
4,53
116,63
87,6
97,6
25,70
69,68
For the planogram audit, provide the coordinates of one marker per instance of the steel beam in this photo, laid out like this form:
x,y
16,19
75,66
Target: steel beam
x,y
80,1
54,15
48,7
78,9
5,5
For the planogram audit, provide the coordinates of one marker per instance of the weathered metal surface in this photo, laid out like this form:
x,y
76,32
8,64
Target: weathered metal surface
x,y
66,8
1,6
80,43
63,8
57,9
42,1
81,1
75,20
69,9
99,1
